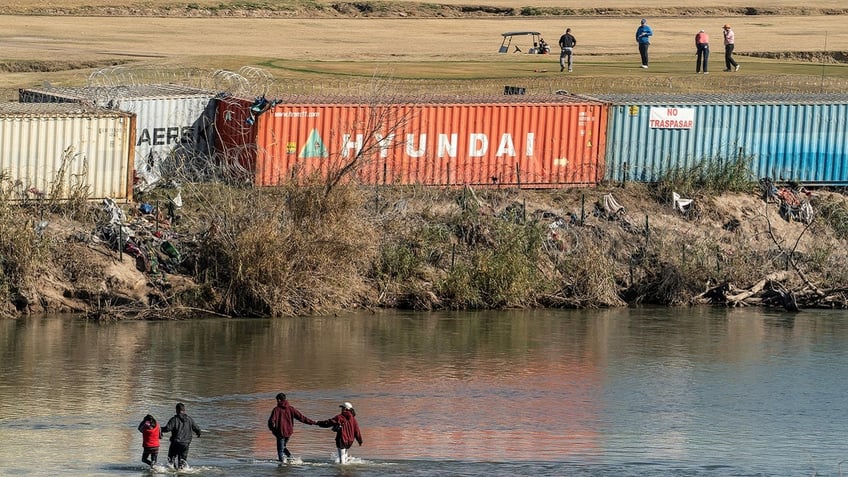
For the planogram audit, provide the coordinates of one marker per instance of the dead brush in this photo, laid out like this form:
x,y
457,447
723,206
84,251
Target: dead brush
x,y
584,275
835,213
286,251
824,260
22,249
674,268
498,267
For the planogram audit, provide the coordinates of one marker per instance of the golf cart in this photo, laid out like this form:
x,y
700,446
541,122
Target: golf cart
x,y
534,41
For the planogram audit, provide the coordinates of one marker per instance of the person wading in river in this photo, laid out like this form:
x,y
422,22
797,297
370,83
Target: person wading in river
x,y
346,428
150,434
281,424
181,426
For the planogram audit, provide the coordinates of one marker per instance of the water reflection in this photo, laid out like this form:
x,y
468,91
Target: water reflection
x,y
743,389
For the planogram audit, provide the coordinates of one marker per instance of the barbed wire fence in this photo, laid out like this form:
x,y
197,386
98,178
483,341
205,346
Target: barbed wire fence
x,y
188,163
252,81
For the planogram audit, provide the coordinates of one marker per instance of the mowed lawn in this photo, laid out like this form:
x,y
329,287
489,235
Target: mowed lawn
x,y
432,49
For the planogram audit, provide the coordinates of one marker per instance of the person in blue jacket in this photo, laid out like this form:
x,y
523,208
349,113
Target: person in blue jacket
x,y
643,39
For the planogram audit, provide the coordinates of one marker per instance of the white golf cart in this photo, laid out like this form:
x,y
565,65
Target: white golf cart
x,y
524,41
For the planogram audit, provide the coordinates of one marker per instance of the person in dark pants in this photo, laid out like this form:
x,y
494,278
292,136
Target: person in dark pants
x,y
346,428
643,39
181,427
702,44
567,42
281,424
729,42
150,434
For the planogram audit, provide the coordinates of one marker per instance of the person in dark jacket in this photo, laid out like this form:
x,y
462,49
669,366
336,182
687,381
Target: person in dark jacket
x,y
181,427
150,434
281,424
567,42
346,428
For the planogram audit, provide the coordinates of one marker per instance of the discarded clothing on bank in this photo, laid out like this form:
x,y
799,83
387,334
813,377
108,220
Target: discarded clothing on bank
x,y
680,204
146,236
768,189
609,208
794,202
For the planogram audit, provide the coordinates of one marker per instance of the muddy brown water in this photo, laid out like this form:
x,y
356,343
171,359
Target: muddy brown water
x,y
589,393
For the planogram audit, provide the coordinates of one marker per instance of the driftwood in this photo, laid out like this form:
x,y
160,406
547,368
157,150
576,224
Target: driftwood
x,y
757,288
770,291
766,291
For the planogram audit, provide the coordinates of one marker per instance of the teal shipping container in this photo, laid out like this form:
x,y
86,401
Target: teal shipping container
x,y
786,137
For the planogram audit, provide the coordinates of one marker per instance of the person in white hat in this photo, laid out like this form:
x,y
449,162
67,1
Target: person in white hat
x,y
346,428
729,43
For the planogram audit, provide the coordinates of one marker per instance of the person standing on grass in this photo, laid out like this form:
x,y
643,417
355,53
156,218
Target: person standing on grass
x,y
281,424
702,45
567,42
729,41
643,39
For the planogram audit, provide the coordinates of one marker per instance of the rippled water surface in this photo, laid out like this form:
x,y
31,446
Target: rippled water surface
x,y
646,392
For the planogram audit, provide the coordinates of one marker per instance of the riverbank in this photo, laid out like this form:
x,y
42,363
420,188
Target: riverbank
x,y
409,9
304,250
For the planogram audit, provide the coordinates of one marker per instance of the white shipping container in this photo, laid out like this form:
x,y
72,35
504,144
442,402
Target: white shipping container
x,y
174,123
63,149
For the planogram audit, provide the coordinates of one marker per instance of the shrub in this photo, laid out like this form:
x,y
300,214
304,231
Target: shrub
x,y
287,251
835,213
22,249
712,175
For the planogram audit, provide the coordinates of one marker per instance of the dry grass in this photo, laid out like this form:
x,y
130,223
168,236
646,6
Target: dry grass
x,y
432,49
282,252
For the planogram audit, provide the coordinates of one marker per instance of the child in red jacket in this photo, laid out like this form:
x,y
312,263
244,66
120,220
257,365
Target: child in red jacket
x,y
150,432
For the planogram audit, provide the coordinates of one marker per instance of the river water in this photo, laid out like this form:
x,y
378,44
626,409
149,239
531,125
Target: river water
x,y
644,392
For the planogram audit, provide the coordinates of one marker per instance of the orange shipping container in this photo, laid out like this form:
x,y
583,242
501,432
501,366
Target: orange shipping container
x,y
552,141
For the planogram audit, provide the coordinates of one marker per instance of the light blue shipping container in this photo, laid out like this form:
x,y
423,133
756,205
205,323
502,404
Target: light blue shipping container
x,y
801,138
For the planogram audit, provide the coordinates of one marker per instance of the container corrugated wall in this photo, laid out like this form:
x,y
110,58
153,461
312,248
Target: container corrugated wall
x,y
235,135
174,124
540,144
61,148
800,138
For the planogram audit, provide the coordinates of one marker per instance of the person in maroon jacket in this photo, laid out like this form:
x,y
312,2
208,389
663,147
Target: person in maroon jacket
x,y
281,424
346,428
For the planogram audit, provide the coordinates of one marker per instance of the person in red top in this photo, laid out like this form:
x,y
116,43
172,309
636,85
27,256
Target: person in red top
x,y
347,430
150,434
702,43
281,424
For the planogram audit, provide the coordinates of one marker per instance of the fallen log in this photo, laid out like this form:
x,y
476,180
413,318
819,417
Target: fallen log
x,y
768,291
759,286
